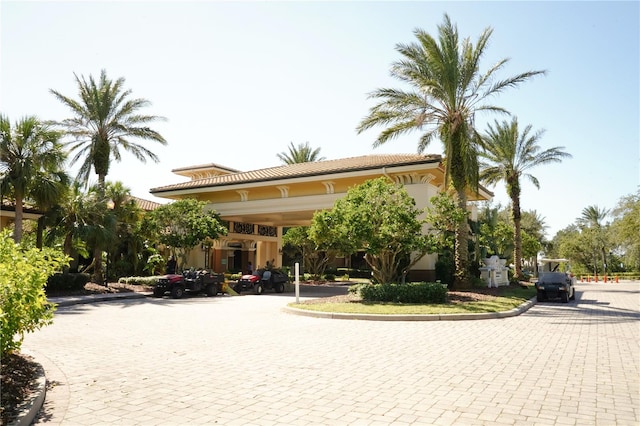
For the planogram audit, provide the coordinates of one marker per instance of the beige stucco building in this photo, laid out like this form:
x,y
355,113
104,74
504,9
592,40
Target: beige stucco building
x,y
259,204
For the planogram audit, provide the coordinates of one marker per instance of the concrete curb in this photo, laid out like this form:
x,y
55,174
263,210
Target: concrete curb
x,y
79,300
414,317
28,410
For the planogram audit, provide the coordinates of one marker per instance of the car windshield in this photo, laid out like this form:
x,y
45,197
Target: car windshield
x,y
553,277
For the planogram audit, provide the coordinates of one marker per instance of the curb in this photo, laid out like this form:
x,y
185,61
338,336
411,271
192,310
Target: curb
x,y
29,409
80,300
414,317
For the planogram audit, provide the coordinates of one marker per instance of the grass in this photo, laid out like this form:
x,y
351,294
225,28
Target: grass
x,y
509,298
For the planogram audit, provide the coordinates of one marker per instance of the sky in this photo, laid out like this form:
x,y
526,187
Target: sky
x,y
239,81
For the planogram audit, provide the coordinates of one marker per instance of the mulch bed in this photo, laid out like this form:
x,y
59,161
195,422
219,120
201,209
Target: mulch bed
x,y
91,288
17,381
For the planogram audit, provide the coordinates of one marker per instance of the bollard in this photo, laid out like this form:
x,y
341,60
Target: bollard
x,y
605,278
595,280
616,279
588,278
297,277
581,278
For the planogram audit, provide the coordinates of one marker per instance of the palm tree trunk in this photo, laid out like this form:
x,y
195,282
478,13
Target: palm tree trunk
x,y
97,249
17,225
97,266
40,232
461,256
517,238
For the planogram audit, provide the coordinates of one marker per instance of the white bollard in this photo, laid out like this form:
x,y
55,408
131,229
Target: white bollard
x,y
297,282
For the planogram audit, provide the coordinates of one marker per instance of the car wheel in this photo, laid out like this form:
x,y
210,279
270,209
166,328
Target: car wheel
x,y
177,292
279,288
212,290
158,293
564,296
259,288
541,296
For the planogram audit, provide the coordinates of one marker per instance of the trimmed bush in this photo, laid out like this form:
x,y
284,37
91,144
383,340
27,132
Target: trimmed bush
x,y
139,280
329,277
67,282
421,292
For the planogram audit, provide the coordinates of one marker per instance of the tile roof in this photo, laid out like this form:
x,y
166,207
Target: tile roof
x,y
146,204
316,168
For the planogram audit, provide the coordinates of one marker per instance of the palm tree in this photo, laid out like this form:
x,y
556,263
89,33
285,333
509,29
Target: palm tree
x,y
83,220
303,153
510,155
593,217
33,162
127,242
105,121
447,90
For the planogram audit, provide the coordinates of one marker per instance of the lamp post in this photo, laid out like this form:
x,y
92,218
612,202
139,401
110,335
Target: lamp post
x,y
206,247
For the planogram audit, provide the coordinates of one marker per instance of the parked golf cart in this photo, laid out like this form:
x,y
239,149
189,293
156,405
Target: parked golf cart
x,y
261,280
555,280
552,285
192,281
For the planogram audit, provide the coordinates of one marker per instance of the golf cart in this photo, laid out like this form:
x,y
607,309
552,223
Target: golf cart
x,y
193,281
261,280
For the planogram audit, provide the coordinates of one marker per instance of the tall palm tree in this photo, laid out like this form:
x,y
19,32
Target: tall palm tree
x,y
33,162
303,153
106,120
593,217
509,156
447,89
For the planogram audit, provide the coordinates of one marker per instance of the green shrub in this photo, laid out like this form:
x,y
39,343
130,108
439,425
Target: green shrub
x,y
66,282
421,293
139,280
329,277
23,303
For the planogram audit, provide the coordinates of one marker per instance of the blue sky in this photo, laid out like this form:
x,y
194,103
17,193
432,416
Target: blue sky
x,y
239,81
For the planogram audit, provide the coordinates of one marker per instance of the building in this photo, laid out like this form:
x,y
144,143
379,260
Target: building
x,y
260,204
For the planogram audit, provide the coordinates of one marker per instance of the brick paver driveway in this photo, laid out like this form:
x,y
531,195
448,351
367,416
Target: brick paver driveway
x,y
243,361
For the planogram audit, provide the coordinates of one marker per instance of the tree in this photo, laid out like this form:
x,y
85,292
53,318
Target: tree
x,y
447,91
303,153
509,156
592,218
380,218
106,120
81,219
315,260
128,243
183,224
33,160
625,228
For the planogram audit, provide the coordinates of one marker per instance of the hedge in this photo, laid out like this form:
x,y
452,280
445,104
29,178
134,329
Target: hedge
x,y
421,292
66,282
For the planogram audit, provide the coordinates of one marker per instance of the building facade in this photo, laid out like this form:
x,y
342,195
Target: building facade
x,y
259,204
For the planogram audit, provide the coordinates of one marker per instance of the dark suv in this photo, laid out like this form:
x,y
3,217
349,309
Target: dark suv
x,y
552,285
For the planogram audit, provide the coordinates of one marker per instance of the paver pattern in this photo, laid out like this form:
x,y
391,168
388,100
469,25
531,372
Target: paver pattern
x,y
243,361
